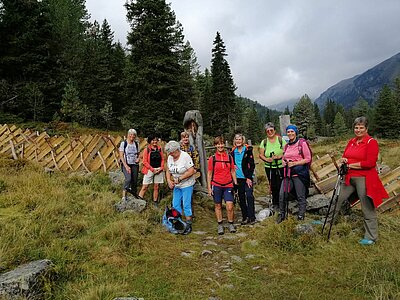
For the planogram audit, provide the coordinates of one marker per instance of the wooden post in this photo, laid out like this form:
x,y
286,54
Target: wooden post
x,y
13,150
102,161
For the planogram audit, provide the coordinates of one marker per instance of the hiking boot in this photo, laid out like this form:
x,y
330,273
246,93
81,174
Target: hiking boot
x,y
232,228
155,204
188,228
300,218
281,218
366,242
220,229
252,222
244,221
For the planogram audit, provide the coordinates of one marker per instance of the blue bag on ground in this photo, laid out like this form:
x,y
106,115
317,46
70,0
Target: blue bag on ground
x,y
172,220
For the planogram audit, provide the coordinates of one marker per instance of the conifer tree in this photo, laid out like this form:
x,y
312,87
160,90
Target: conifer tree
x,y
303,117
27,59
385,114
319,130
222,118
396,95
156,90
339,125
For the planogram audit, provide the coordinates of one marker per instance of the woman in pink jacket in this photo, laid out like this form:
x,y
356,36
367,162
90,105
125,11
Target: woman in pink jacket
x,y
296,159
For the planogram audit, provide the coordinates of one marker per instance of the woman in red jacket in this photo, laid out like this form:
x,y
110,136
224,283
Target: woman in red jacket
x,y
360,155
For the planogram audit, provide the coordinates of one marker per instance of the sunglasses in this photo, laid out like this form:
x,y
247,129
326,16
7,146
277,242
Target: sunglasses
x,y
270,130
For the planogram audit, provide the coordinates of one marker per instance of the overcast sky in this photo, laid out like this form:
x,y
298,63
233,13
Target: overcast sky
x,y
280,50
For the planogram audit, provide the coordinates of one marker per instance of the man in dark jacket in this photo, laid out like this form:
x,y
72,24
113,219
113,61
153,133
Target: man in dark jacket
x,y
244,161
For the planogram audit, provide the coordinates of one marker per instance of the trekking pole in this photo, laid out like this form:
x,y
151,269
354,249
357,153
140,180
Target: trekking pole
x,y
287,189
335,197
270,177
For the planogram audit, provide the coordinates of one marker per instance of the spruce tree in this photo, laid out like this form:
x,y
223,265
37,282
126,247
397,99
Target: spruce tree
x,y
319,130
155,85
396,95
27,58
222,118
303,117
385,114
339,125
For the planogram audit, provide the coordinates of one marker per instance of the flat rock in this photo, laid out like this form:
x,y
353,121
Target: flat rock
x,y
241,234
264,200
229,236
210,243
263,214
258,208
26,281
305,229
199,232
131,203
206,253
117,178
236,258
249,256
317,201
189,253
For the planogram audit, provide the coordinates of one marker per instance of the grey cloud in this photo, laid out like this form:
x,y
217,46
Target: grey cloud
x,y
279,50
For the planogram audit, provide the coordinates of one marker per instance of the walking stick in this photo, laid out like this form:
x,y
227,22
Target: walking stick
x,y
270,177
335,197
287,189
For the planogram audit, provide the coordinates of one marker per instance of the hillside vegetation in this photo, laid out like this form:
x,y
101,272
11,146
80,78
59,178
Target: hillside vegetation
x,y
101,254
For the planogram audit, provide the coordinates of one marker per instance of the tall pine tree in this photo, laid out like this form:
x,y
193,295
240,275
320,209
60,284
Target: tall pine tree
x,y
385,114
156,91
303,117
222,107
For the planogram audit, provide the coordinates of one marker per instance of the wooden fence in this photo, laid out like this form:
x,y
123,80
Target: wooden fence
x,y
88,153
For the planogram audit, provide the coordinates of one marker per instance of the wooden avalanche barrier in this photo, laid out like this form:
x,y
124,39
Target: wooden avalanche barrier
x,y
324,175
88,153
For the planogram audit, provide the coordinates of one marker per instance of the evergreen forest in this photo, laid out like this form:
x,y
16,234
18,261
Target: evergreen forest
x,y
58,66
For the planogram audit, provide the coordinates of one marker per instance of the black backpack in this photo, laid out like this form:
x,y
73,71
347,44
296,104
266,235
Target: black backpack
x,y
154,157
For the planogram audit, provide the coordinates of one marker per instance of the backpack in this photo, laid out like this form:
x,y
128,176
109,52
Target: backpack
x,y
221,161
172,221
154,157
125,145
300,148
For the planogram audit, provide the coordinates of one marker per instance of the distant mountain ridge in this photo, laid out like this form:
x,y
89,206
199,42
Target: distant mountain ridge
x,y
366,85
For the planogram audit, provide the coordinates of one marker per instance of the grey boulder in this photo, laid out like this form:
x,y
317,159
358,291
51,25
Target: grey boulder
x,y
131,204
26,281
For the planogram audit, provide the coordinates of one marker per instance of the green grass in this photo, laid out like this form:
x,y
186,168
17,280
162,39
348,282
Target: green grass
x,y
101,254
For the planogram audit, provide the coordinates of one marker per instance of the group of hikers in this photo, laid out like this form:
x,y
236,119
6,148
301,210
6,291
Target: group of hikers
x,y
230,175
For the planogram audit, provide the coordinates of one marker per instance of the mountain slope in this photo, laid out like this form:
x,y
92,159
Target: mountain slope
x,y
366,85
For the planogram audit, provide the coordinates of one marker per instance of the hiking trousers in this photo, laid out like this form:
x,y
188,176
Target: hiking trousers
x,y
131,179
357,184
287,186
274,176
246,200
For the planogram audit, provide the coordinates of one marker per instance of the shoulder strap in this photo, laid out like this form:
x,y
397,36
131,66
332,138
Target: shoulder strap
x,y
213,169
280,140
300,146
125,145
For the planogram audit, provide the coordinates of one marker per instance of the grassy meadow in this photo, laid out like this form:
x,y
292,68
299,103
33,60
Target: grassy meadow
x,y
101,254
